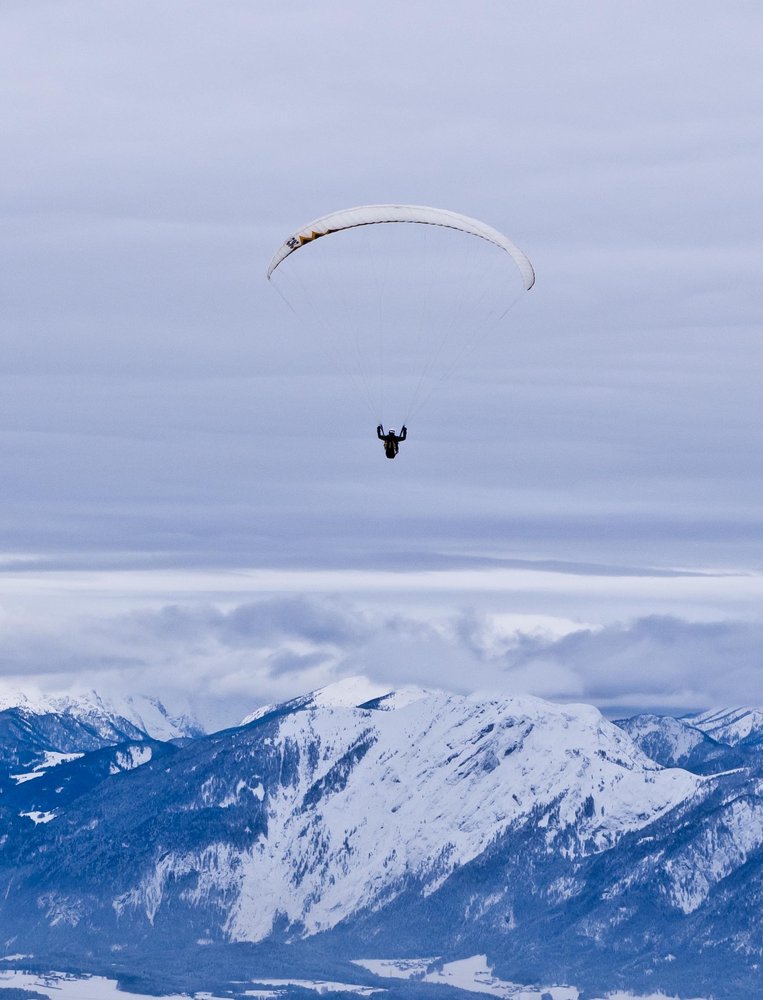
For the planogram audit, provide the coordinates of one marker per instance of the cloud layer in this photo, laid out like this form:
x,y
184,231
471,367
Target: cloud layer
x,y
223,662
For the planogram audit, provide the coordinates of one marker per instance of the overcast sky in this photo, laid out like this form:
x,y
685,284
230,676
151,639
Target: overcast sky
x,y
195,505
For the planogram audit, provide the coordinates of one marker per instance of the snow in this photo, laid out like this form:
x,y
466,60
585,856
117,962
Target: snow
x,y
61,986
39,817
729,725
52,758
679,735
715,853
473,974
396,968
234,797
441,777
216,867
17,699
400,698
317,985
146,714
619,995
28,776
258,713
151,716
347,693
130,758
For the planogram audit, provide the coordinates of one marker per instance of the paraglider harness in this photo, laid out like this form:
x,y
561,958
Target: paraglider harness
x,y
391,440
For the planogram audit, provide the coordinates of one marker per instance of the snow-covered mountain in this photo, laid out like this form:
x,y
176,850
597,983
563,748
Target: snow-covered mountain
x,y
349,693
735,726
677,743
406,824
53,750
385,796
72,724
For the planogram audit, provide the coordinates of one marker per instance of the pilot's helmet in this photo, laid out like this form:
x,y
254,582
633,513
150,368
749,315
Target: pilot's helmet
x,y
392,430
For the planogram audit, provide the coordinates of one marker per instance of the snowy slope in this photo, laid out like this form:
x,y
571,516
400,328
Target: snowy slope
x,y
150,715
734,726
50,787
676,743
411,823
342,809
69,723
349,693
424,789
54,750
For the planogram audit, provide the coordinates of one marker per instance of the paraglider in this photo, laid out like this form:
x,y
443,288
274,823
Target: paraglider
x,y
401,315
391,440
371,215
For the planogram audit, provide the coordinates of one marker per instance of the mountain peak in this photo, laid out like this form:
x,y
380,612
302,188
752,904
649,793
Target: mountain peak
x,y
348,692
143,714
423,821
730,725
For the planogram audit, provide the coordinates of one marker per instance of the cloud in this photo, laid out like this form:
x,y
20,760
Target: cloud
x,y
225,661
252,625
222,662
657,660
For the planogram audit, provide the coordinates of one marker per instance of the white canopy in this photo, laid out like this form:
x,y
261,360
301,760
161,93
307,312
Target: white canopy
x,y
369,215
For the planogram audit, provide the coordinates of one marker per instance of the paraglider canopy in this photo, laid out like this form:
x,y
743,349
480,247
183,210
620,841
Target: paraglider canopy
x,y
369,215
401,299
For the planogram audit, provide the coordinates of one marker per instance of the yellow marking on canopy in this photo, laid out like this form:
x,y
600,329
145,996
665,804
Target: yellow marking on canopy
x,y
313,236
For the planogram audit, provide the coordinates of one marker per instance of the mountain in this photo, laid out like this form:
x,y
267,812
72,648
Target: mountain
x,y
43,792
677,743
408,824
741,727
53,750
72,724
349,693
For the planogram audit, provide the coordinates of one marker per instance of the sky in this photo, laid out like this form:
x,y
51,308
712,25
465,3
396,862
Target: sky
x,y
194,503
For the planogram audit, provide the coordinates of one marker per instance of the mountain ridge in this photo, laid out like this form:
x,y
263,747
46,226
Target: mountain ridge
x,y
416,822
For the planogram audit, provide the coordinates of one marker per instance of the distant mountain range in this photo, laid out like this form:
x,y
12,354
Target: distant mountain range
x,y
87,722
348,825
736,726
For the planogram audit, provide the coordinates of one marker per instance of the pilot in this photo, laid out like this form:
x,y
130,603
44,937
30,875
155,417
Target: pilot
x,y
391,440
